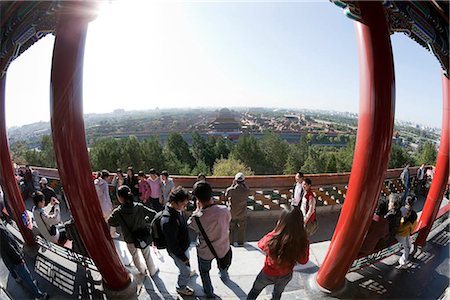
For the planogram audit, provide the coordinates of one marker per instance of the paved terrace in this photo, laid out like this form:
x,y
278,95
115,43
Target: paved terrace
x,y
58,272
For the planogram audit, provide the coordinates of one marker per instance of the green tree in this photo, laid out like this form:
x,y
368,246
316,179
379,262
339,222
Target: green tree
x,y
314,163
201,167
229,167
203,149
105,153
47,152
222,148
180,148
398,157
345,156
275,151
131,154
296,157
173,165
152,155
18,152
426,154
248,151
44,156
331,166
34,158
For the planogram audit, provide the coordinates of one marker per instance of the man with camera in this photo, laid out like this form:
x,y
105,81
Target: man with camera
x,y
48,219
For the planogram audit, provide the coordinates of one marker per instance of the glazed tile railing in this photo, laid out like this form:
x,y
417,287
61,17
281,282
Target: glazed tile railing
x,y
271,192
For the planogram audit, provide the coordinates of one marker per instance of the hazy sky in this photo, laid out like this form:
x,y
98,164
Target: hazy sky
x,y
147,54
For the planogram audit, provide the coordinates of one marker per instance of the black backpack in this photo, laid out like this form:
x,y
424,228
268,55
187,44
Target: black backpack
x,y
159,240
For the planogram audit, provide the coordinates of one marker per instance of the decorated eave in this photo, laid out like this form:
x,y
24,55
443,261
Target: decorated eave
x,y
426,22
22,23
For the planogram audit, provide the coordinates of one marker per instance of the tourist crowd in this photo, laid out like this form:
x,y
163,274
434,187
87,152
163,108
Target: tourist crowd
x,y
150,213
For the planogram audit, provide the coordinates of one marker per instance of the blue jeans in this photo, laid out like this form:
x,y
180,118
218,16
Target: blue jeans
x,y
262,280
185,271
21,271
405,194
204,266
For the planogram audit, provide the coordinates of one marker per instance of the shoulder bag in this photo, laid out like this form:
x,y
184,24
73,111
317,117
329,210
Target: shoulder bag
x,y
52,229
222,263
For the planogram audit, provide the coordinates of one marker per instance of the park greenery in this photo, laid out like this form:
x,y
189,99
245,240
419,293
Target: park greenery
x,y
220,157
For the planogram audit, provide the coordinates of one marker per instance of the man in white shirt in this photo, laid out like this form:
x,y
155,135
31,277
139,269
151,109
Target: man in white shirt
x,y
420,179
298,189
215,220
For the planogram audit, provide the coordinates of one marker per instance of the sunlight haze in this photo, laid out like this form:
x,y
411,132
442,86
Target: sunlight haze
x,y
144,54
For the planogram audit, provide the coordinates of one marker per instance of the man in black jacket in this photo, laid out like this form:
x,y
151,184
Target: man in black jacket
x,y
12,256
175,230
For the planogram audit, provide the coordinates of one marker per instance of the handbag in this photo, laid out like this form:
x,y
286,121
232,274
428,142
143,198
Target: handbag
x,y
52,229
222,263
141,237
311,227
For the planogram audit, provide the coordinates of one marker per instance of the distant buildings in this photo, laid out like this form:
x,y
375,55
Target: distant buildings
x,y
226,124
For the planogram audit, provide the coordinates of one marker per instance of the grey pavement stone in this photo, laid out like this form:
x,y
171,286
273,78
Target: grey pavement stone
x,y
427,276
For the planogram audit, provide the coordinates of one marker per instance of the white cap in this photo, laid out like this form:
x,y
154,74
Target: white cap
x,y
43,180
239,176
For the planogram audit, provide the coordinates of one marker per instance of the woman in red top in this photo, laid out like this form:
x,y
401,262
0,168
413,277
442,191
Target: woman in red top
x,y
285,246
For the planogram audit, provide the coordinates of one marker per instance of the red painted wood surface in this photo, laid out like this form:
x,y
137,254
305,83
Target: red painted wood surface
x,y
7,178
440,180
71,150
373,143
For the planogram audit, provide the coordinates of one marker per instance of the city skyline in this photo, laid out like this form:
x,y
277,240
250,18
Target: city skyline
x,y
216,54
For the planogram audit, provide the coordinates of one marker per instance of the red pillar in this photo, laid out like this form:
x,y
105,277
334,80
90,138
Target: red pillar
x,y
71,150
440,180
373,143
7,178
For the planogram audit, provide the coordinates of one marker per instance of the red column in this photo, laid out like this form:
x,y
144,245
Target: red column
x,y
440,180
7,179
375,128
71,150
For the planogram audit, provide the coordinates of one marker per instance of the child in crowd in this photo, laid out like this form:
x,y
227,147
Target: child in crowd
x,y
285,246
407,224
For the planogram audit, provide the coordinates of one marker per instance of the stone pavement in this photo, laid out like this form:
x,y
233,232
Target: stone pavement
x,y
427,277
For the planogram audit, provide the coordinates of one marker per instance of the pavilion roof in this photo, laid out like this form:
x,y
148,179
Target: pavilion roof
x,y
426,22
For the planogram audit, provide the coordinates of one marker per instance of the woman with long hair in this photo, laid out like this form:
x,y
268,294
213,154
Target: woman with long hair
x,y
407,224
285,246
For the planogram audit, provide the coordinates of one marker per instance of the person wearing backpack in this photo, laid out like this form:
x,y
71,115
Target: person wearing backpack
x,y
175,230
211,222
133,218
